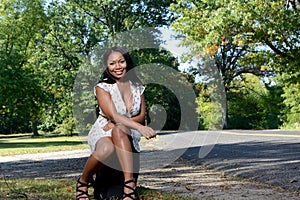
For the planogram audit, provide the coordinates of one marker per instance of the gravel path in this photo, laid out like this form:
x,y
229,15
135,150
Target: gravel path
x,y
184,176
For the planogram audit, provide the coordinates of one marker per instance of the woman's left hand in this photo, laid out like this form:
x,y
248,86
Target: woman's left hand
x,y
147,132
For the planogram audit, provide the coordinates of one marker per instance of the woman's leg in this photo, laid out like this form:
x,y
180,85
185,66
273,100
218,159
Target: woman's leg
x,y
124,153
104,149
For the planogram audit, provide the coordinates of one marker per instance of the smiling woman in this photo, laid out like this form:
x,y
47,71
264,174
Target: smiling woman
x,y
119,125
116,64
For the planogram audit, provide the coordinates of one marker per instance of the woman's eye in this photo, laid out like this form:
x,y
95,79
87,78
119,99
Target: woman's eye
x,y
122,61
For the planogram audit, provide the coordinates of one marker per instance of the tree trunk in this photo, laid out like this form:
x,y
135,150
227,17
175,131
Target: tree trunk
x,y
35,129
225,126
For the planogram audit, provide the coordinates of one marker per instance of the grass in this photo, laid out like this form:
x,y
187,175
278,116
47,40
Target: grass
x,y
27,145
36,189
50,189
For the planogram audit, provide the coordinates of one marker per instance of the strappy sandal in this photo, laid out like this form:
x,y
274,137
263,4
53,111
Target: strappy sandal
x,y
81,193
132,195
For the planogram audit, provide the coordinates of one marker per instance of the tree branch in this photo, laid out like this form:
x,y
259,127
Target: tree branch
x,y
294,6
277,51
63,51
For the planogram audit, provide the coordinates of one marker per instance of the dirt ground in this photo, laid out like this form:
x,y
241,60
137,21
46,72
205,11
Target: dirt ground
x,y
196,181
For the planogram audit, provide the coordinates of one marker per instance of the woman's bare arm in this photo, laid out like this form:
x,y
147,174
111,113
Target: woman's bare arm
x,y
107,106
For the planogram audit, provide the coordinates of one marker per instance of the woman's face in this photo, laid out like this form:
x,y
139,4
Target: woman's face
x,y
116,64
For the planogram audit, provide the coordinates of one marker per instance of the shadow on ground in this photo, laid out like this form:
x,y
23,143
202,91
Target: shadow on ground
x,y
47,168
276,163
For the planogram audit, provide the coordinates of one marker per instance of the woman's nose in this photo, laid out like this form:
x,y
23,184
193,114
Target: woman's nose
x,y
118,65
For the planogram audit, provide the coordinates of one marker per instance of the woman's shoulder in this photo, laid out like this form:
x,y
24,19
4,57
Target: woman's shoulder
x,y
105,86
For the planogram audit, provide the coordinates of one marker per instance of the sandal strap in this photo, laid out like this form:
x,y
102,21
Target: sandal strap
x,y
132,194
127,186
82,184
82,194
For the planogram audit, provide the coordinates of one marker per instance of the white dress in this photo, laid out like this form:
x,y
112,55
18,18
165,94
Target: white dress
x,y
97,131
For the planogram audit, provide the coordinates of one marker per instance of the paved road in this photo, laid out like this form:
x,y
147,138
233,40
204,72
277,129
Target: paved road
x,y
270,156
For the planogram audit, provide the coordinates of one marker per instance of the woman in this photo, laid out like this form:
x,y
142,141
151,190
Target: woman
x,y
122,112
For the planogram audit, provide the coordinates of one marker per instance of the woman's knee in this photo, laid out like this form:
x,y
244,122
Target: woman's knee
x,y
104,149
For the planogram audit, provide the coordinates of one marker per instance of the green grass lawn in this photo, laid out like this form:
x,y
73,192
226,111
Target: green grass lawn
x,y
25,144
28,189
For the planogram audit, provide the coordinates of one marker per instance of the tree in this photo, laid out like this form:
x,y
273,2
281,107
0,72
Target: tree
x,y
21,22
76,29
158,96
254,104
50,40
292,111
267,32
271,27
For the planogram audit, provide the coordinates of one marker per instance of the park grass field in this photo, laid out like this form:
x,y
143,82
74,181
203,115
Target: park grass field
x,y
50,189
25,144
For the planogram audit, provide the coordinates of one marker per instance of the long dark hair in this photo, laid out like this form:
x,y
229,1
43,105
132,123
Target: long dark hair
x,y
107,77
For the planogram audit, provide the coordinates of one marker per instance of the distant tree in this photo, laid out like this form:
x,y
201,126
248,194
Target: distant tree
x,y
20,87
158,96
253,104
256,37
271,27
292,111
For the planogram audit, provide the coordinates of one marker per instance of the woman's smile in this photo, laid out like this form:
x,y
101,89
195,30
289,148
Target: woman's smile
x,y
116,64
119,72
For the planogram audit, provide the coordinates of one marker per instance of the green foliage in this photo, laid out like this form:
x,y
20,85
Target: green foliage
x,y
291,100
159,98
262,26
252,105
259,37
209,110
43,45
76,28
21,22
158,95
23,96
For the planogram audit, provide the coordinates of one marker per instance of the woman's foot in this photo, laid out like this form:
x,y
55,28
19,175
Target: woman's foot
x,y
82,190
129,190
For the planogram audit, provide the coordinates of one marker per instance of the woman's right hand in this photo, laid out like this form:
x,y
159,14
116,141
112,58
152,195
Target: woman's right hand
x,y
108,126
147,132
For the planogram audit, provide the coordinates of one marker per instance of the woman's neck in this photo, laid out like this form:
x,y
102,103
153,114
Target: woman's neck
x,y
121,82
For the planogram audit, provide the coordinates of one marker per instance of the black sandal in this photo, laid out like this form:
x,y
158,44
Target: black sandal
x,y
82,194
132,195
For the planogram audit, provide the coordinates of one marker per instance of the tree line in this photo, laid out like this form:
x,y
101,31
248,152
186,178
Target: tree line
x,y
254,46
